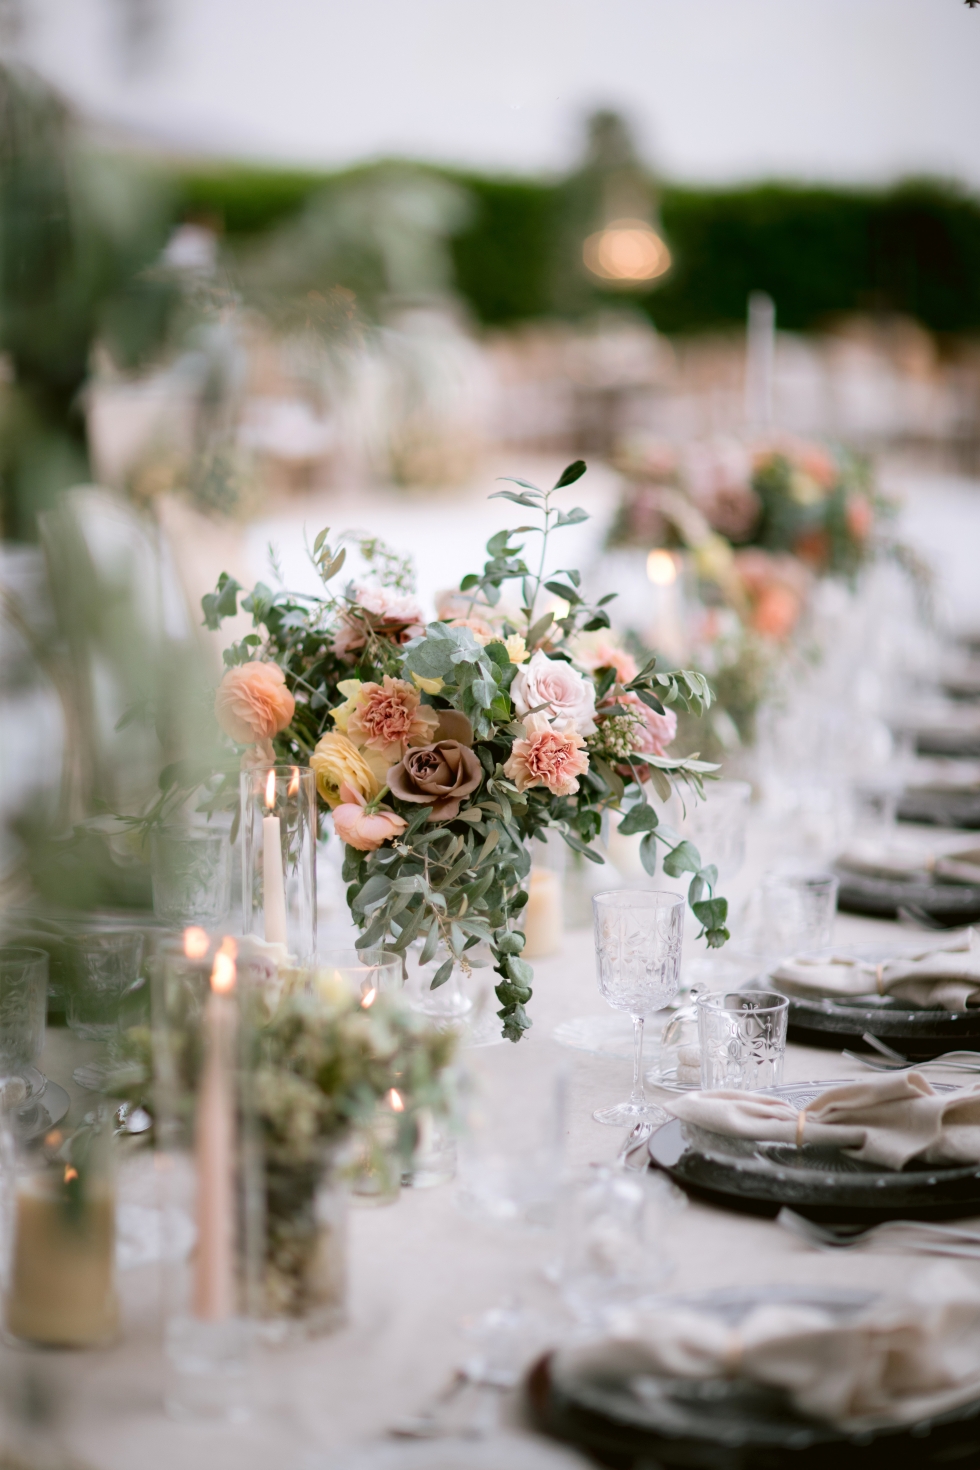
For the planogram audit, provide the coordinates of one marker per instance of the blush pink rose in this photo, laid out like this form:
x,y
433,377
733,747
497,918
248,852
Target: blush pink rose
x,y
362,829
547,757
252,703
603,654
568,695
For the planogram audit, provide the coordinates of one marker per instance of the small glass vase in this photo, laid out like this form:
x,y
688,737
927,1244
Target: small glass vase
x,y
303,1273
191,872
279,860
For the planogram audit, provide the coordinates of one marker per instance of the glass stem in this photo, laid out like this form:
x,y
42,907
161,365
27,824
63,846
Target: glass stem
x,y
638,1095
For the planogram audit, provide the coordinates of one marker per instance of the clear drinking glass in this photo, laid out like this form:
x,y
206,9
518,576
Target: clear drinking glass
x,y
279,860
743,1038
607,1257
191,872
23,1009
638,936
105,968
799,909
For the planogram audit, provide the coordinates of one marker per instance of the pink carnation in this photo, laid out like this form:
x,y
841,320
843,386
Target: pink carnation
x,y
390,717
547,757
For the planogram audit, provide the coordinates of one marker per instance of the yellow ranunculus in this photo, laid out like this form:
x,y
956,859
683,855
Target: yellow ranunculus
x,y
337,761
341,713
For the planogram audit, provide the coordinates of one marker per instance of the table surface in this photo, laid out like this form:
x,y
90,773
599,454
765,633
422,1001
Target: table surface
x,y
421,1267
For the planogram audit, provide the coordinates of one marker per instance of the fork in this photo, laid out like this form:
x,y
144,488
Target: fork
x,y
893,1061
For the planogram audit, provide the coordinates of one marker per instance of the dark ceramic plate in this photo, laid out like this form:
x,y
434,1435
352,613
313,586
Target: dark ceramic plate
x,y
731,1424
948,740
941,808
949,904
915,1032
821,1183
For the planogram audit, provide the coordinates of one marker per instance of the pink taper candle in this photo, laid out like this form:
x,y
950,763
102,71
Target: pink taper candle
x,y
214,1264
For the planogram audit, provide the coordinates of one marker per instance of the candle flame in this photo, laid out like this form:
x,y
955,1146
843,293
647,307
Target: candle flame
x,y
369,997
224,974
661,568
270,789
196,943
396,1100
70,1173
293,786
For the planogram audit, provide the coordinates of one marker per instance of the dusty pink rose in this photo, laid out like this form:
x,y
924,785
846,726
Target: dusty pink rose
x,y
547,757
389,717
362,829
252,703
654,732
604,654
396,616
569,697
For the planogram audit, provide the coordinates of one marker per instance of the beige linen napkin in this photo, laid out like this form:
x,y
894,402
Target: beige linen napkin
x,y
884,1120
945,975
896,1361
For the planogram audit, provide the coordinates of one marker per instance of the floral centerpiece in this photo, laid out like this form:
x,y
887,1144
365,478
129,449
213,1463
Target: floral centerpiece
x,y
442,748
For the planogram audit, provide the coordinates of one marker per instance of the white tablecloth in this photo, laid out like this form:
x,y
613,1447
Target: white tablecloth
x,y
419,1268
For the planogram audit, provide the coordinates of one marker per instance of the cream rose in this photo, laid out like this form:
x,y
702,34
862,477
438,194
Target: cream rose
x,y
568,697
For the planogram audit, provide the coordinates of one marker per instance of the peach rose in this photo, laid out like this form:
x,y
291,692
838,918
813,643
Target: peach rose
x,y
479,627
336,761
252,703
363,829
547,757
603,653
776,612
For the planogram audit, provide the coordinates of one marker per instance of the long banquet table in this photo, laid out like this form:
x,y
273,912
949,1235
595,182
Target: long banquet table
x,y
419,1268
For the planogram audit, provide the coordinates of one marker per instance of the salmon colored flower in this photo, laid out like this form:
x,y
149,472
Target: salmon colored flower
x,y
547,757
776,612
252,703
602,653
479,627
389,717
860,517
336,761
360,828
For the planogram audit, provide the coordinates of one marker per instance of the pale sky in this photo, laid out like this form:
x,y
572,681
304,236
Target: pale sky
x,y
717,89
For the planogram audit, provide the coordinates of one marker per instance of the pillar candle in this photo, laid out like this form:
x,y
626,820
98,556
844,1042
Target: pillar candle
x,y
542,914
273,884
214,1263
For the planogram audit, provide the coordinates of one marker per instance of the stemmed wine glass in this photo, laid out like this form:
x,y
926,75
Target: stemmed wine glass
x,y
638,935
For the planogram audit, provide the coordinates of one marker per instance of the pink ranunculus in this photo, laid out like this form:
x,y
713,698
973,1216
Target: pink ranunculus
x,y
362,829
395,616
654,732
547,757
568,696
252,703
389,717
387,605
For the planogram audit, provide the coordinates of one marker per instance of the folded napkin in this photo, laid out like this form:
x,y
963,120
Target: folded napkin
x,y
896,1361
945,975
886,1120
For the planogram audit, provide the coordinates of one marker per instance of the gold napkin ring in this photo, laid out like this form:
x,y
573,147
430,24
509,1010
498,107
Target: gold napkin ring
x,y
800,1127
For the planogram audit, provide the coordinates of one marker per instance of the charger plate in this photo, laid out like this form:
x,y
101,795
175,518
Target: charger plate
x,y
731,1424
949,904
820,1183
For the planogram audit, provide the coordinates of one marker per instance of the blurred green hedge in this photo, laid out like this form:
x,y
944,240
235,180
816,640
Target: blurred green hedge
x,y
912,248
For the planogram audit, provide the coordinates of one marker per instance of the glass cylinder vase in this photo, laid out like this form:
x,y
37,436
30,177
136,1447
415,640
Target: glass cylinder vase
x,y
279,860
303,1274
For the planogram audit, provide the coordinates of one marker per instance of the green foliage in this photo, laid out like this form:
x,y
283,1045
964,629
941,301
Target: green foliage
x,y
454,884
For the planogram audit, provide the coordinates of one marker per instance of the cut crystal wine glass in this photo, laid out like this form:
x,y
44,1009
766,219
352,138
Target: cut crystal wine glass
x,y
638,935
